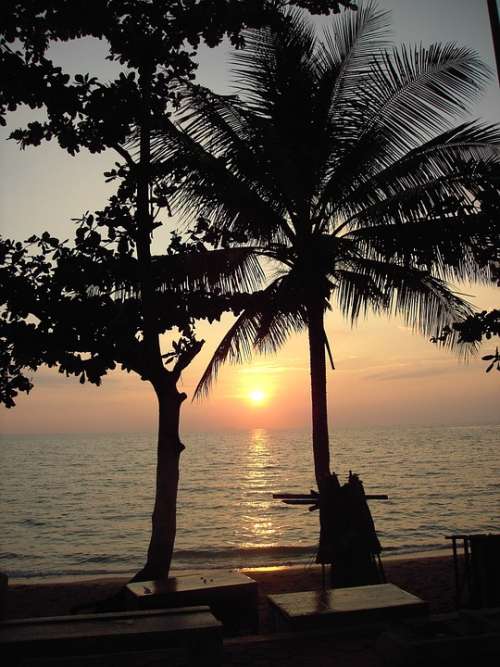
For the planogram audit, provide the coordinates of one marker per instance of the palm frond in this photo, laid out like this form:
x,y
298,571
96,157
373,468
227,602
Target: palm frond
x,y
414,92
225,128
409,97
258,68
350,45
450,166
424,302
218,122
335,106
263,326
446,245
284,312
356,293
204,185
337,164
277,74
235,347
227,270
375,168
429,305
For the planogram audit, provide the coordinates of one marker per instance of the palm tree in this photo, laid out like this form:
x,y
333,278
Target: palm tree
x,y
337,162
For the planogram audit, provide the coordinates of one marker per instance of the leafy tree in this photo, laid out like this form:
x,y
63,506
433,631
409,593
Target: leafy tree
x,y
478,326
78,308
486,324
339,163
107,299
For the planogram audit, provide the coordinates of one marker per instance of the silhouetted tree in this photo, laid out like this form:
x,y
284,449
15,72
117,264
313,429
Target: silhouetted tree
x,y
78,308
484,325
107,300
475,328
338,164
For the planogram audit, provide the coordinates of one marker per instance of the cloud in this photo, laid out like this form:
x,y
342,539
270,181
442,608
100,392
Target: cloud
x,y
271,369
414,370
51,378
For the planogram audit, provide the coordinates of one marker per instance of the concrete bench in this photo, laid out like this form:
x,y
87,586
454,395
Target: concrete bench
x,y
232,596
190,636
341,607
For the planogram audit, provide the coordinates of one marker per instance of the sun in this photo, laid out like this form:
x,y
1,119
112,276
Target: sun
x,y
257,396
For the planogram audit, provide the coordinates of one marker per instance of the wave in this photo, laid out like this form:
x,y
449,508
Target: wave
x,y
246,551
184,559
288,551
222,557
103,559
39,576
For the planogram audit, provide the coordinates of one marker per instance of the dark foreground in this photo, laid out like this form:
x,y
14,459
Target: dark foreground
x,y
430,578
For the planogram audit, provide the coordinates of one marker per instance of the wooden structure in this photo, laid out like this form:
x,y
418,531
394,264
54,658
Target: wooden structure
x,y
312,498
192,636
232,596
341,607
477,581
348,539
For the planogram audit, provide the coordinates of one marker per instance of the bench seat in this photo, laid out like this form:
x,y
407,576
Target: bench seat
x,y
193,634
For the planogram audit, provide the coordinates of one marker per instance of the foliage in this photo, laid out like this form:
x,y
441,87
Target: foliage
x,y
164,34
82,307
107,300
339,163
485,324
76,307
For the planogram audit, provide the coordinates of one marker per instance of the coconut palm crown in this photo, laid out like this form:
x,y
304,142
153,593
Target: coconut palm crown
x,y
338,162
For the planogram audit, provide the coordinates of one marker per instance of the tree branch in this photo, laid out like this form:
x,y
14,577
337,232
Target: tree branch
x,y
124,154
186,357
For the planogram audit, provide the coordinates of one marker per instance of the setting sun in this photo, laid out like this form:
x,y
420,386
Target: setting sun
x,y
257,396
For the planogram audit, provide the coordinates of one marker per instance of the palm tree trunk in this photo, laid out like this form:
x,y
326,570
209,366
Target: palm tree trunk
x,y
321,445
163,520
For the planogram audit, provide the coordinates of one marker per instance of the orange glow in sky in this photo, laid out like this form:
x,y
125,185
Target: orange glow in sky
x,y
384,374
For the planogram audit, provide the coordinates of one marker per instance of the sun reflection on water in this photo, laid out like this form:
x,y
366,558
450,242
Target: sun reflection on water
x,y
259,472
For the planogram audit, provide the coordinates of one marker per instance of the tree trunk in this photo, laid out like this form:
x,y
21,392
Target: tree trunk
x,y
169,399
320,438
163,520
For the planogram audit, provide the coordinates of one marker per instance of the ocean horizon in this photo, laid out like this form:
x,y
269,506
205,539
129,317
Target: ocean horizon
x,y
79,505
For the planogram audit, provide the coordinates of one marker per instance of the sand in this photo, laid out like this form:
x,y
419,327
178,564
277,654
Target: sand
x,y
430,578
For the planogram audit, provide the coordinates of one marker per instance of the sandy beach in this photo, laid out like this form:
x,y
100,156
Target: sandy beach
x,y
430,578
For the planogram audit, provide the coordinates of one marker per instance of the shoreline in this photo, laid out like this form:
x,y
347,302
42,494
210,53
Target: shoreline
x,y
84,578
429,577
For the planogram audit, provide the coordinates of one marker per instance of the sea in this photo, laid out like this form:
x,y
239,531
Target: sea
x,y
80,505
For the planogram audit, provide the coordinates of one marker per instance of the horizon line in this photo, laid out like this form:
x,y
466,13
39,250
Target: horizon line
x,y
152,432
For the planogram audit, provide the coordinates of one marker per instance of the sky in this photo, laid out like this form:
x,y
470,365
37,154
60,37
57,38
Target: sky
x,y
385,374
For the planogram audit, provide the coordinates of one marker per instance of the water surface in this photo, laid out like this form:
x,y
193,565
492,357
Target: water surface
x,y
80,504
